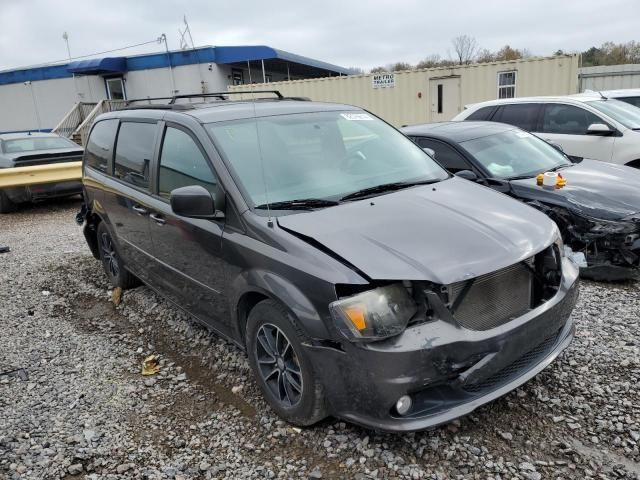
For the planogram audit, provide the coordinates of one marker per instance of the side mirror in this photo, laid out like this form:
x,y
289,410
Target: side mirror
x,y
467,175
599,129
194,201
430,151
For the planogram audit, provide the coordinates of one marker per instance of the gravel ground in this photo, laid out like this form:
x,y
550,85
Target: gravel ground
x,y
80,408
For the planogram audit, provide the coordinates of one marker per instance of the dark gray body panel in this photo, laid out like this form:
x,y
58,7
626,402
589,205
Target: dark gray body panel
x,y
440,233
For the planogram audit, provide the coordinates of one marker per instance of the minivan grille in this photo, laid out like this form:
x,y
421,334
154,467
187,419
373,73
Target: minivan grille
x,y
493,299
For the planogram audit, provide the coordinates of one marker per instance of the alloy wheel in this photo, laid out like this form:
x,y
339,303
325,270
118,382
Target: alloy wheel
x,y
109,256
278,364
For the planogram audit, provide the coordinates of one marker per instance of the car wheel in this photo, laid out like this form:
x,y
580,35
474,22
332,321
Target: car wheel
x,y
112,263
6,205
281,367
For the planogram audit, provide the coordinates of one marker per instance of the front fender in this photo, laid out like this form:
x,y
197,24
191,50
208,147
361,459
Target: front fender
x,y
284,291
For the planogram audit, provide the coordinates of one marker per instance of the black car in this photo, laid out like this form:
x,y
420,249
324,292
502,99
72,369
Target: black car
x,y
597,205
363,280
35,148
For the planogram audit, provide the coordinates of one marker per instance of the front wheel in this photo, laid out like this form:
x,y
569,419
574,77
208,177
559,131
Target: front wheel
x,y
112,263
281,366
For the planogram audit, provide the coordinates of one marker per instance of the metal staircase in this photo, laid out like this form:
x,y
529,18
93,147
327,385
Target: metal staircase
x,y
77,122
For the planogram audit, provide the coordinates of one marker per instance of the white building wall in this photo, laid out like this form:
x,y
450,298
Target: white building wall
x,y
609,77
53,99
411,100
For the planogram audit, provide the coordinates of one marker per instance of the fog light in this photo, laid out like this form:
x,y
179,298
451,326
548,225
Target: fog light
x,y
403,405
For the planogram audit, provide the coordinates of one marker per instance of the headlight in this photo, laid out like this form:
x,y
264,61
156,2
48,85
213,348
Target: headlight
x,y
559,243
374,315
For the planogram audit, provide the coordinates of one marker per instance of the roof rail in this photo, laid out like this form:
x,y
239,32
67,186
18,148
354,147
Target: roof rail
x,y
223,95
172,105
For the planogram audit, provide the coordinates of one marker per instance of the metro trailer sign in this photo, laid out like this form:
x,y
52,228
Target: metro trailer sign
x,y
383,80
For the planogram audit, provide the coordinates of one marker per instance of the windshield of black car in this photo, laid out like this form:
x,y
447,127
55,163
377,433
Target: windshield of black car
x,y
320,155
32,144
515,153
622,112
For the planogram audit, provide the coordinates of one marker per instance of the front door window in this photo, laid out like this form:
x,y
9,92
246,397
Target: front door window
x,y
115,88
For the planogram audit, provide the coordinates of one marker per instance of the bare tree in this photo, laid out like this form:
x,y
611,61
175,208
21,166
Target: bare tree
x,y
466,48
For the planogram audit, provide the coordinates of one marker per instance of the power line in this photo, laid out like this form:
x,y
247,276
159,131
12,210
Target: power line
x,y
85,56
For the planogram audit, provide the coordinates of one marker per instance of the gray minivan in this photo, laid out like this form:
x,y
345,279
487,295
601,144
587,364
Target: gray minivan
x,y
362,279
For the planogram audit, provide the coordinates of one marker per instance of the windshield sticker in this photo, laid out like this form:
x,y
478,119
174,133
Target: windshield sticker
x,y
356,116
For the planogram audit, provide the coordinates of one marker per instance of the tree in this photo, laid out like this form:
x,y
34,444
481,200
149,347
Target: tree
x,y
507,53
466,48
399,66
430,62
485,56
378,70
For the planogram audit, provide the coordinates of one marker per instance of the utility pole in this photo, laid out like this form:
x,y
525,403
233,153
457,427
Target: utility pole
x,y
65,37
163,38
35,104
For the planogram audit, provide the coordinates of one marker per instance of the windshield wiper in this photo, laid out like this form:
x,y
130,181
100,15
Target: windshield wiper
x,y
299,204
558,167
385,187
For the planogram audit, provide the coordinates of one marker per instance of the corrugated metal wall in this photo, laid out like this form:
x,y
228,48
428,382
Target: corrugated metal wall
x,y
410,102
609,77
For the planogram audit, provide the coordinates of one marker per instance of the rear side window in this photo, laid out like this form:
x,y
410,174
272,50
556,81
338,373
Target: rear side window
x,y
446,155
523,115
100,144
483,113
182,164
134,151
567,119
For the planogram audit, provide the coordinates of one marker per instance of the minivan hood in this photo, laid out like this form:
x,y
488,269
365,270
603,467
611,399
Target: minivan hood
x,y
594,188
445,232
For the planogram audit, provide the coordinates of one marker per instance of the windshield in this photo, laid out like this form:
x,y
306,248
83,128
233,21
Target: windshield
x,y
515,154
324,155
622,112
32,144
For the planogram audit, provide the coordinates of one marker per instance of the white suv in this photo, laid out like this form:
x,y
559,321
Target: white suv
x,y
586,125
628,95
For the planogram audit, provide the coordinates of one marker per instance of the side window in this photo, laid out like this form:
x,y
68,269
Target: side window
x,y
567,119
483,113
182,164
507,84
445,155
523,115
100,144
134,152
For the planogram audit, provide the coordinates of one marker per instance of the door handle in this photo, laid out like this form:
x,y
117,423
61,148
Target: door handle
x,y
157,218
140,210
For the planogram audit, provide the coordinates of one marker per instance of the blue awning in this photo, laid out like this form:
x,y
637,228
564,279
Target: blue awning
x,y
239,54
96,66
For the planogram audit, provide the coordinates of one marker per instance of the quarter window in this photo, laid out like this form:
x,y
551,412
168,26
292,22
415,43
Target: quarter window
x,y
483,113
134,152
182,164
507,84
100,144
523,115
567,119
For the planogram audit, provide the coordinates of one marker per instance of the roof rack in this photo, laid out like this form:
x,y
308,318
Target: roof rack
x,y
172,105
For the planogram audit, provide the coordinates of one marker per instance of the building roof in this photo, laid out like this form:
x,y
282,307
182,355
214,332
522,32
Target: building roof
x,y
175,58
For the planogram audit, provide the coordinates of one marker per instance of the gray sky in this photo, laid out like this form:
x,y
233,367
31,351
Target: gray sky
x,y
351,33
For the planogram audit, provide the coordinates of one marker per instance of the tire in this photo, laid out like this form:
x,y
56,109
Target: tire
x,y
112,262
304,406
6,205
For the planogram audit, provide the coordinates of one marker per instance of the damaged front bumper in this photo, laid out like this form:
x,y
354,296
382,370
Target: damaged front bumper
x,y
448,371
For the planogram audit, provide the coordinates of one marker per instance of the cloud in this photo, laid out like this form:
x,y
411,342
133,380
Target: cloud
x,y
348,33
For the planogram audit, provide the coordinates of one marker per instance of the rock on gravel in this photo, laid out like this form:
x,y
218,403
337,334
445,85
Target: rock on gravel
x,y
83,410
